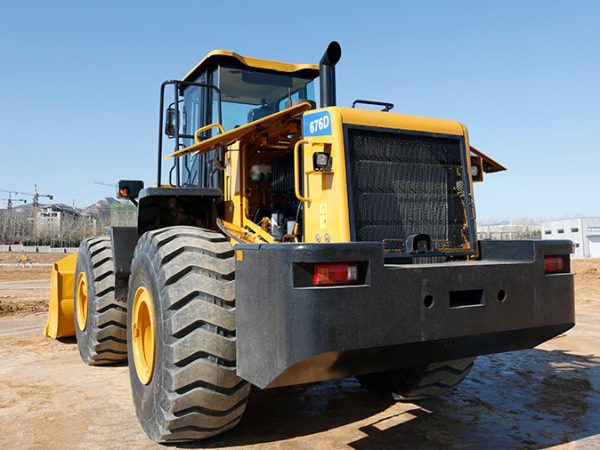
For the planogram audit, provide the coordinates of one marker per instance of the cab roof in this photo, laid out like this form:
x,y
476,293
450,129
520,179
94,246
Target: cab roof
x,y
216,57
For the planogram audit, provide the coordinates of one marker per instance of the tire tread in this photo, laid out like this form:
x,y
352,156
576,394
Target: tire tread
x,y
419,383
105,337
201,394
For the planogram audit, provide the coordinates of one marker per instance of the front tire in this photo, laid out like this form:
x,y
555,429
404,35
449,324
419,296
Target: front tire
x,y
192,391
419,383
100,318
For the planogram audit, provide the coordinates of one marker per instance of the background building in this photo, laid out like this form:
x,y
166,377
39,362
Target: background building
x,y
583,231
509,231
61,225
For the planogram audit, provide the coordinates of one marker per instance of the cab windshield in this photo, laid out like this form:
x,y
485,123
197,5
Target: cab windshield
x,y
246,95
249,95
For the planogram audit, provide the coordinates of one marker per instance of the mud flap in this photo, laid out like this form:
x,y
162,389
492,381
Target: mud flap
x,y
60,309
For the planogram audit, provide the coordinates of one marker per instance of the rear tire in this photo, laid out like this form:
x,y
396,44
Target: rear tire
x,y
100,327
193,392
419,383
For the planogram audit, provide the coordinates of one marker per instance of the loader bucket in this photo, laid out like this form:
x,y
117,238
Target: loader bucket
x,y
60,310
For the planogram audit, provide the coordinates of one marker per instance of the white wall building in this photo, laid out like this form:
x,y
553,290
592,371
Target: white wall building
x,y
55,219
583,231
509,231
48,220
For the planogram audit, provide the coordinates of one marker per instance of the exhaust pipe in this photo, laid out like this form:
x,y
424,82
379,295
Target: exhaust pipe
x,y
327,73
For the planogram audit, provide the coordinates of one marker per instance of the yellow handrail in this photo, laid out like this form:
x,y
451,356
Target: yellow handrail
x,y
296,168
205,128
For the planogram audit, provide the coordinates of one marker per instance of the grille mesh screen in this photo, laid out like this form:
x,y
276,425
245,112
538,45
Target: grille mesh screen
x,y
405,184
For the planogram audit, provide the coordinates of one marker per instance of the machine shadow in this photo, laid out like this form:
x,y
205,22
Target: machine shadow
x,y
285,413
528,399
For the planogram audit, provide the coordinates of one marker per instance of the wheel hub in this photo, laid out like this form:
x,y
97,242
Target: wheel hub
x,y
81,299
143,334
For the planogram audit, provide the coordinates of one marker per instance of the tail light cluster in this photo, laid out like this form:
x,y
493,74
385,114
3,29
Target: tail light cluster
x,y
335,274
556,264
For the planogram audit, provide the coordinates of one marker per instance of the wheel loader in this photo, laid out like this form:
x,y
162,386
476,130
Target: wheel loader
x,y
285,243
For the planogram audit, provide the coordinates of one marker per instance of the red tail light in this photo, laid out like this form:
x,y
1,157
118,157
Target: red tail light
x,y
554,264
335,274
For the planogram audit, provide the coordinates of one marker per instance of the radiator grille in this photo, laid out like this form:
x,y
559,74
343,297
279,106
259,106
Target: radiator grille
x,y
405,184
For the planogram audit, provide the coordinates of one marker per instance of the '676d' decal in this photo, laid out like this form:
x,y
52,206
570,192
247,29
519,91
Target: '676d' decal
x,y
317,124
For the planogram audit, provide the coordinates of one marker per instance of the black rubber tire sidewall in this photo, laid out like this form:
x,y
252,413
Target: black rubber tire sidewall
x,y
147,397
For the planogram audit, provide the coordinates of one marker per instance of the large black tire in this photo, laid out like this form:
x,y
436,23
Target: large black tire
x,y
103,340
419,383
194,392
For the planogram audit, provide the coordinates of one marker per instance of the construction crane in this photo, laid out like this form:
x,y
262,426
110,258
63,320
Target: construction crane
x,y
9,201
36,195
36,200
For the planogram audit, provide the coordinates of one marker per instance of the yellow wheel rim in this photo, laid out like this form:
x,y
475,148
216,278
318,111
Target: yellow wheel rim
x,y
82,301
143,334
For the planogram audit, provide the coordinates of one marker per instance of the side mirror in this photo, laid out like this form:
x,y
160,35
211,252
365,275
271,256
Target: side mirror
x,y
129,189
171,122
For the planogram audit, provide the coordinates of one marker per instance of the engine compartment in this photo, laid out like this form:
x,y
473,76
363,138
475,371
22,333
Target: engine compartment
x,y
270,192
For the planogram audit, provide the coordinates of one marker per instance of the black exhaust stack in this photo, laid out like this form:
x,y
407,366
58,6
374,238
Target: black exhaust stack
x,y
327,73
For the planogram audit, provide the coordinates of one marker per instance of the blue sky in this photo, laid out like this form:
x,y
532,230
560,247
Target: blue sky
x,y
79,84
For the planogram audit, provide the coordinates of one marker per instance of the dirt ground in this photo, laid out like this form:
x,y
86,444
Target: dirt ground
x,y
24,290
540,398
36,258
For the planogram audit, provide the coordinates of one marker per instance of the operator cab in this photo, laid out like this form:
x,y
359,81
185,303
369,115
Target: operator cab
x,y
233,90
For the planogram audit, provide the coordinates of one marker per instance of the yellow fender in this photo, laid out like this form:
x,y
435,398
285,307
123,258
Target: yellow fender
x,y
60,309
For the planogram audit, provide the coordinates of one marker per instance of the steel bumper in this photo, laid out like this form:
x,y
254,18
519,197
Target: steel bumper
x,y
402,315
